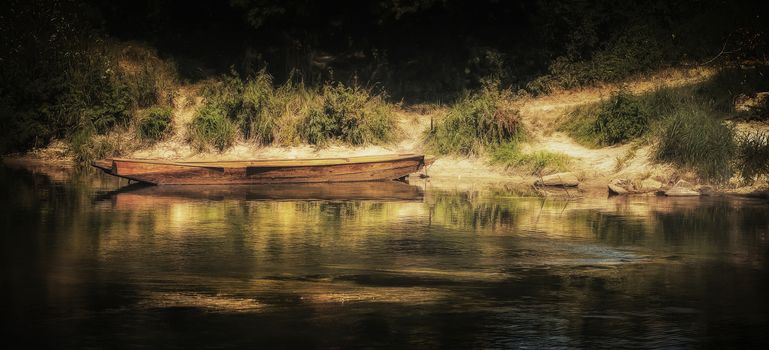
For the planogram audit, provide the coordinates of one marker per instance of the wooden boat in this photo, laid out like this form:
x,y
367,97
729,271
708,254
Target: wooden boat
x,y
265,171
140,196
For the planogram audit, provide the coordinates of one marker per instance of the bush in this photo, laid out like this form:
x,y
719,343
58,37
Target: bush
x,y
87,146
753,156
622,119
156,124
150,79
259,109
696,140
477,121
619,119
292,113
637,49
212,127
351,115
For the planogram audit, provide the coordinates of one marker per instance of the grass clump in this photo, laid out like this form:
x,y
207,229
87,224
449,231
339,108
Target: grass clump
x,y
638,49
259,109
264,114
753,156
348,114
698,141
535,163
624,116
478,121
155,124
87,146
621,118
150,79
212,127
250,105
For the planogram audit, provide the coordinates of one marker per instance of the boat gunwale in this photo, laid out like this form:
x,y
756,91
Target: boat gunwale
x,y
276,163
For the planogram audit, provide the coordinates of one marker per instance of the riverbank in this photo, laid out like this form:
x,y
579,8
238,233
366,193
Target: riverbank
x,y
542,117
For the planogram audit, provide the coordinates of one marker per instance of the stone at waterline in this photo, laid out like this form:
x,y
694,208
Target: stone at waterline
x,y
650,185
682,188
620,186
706,190
559,179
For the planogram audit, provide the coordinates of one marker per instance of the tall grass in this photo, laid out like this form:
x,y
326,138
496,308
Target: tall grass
x,y
624,116
477,122
155,125
687,120
150,79
289,113
698,141
211,127
753,156
638,49
348,114
535,163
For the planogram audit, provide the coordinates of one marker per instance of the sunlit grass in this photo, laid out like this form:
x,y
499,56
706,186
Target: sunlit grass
x,y
477,123
536,162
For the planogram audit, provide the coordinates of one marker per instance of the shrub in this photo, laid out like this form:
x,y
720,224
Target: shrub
x,y
259,109
212,127
720,92
477,121
536,163
260,112
87,146
155,124
696,140
95,96
619,119
753,156
150,79
637,49
348,114
224,94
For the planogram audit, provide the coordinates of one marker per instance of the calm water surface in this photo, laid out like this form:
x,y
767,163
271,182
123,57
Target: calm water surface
x,y
83,267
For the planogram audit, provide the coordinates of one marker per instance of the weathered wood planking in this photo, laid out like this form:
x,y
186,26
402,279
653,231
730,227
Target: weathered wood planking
x,y
350,169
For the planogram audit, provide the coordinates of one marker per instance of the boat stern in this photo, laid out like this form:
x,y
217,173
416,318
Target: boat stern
x,y
103,164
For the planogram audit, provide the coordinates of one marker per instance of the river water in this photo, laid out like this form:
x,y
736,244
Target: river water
x,y
85,265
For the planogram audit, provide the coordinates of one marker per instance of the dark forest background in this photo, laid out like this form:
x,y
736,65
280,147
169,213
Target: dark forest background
x,y
53,54
421,49
427,49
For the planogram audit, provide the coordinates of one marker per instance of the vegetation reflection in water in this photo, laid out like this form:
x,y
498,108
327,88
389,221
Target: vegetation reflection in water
x,y
481,268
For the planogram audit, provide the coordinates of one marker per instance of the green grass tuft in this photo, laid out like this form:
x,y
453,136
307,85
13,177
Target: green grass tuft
x,y
619,119
753,156
625,117
696,140
291,113
348,114
535,163
155,125
476,122
212,127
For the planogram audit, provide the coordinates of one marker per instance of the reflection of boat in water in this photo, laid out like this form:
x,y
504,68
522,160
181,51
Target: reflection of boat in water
x,y
142,195
349,169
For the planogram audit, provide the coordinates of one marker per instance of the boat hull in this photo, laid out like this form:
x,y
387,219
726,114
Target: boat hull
x,y
265,172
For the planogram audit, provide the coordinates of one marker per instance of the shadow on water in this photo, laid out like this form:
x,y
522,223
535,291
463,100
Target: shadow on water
x,y
84,265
